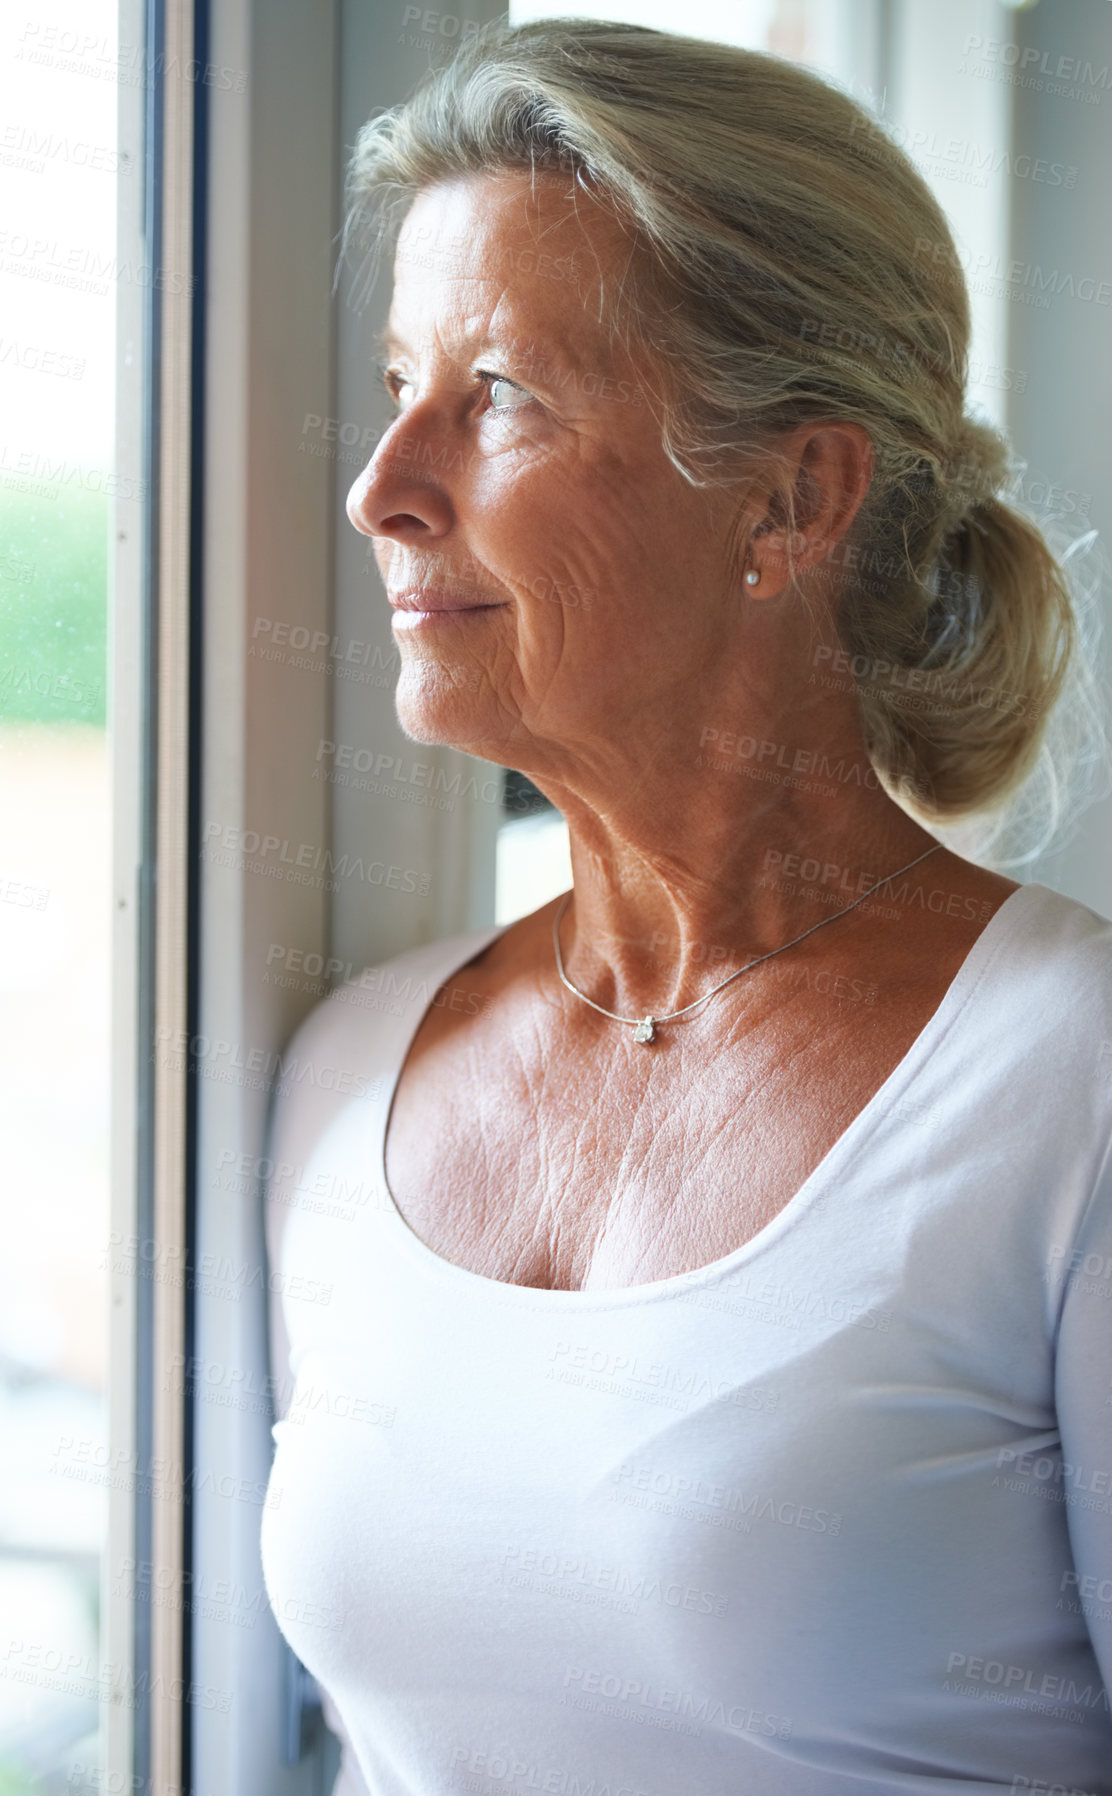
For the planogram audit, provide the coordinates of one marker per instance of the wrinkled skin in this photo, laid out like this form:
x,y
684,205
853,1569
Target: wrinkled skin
x,y
618,650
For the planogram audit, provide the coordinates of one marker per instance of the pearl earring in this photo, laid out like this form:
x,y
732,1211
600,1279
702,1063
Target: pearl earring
x,y
753,577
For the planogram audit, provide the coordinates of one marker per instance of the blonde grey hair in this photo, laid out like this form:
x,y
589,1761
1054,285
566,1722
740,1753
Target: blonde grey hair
x,y
790,265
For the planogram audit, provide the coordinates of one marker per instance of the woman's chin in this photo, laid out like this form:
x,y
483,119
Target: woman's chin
x,y
445,706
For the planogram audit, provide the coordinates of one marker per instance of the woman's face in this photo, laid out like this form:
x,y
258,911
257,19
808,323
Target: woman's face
x,y
553,575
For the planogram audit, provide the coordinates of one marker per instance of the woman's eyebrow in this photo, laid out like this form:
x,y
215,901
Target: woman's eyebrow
x,y
553,348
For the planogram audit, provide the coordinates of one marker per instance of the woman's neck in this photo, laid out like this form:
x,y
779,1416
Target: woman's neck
x,y
682,875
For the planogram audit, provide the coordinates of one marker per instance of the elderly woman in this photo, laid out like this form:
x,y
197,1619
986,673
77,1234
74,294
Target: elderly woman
x,y
713,1391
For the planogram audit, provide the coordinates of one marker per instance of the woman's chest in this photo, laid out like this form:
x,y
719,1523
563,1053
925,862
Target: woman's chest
x,y
577,1488
567,1203
572,1173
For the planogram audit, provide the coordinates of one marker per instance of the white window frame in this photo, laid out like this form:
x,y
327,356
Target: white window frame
x,y
145,1653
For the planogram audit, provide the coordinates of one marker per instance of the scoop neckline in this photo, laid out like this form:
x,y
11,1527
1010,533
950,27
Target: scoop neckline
x,y
855,1136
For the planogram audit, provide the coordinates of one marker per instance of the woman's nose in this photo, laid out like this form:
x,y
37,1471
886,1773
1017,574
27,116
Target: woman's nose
x,y
399,494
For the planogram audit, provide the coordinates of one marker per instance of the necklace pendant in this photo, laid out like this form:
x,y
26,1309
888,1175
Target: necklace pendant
x,y
644,1030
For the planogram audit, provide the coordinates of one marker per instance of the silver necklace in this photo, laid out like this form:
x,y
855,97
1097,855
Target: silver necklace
x,y
644,1028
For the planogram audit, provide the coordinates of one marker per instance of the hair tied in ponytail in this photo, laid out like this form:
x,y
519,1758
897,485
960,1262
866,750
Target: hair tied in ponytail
x,y
954,617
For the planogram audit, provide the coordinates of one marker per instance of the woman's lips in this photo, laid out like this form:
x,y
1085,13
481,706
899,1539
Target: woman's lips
x,y
412,609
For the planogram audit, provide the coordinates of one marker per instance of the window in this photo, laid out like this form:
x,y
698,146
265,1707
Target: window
x,y
60,176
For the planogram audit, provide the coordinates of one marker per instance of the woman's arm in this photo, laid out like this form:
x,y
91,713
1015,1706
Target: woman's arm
x,y
295,1121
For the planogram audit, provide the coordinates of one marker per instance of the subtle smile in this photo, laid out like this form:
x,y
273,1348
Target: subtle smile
x,y
413,610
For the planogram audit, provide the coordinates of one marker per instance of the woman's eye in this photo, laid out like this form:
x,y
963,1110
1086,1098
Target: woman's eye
x,y
505,396
399,388
513,397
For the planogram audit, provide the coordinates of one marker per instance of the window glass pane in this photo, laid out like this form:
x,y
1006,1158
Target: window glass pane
x,y
817,32
57,297
726,21
533,864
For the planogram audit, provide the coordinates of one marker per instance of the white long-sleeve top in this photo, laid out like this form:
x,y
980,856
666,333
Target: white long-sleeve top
x,y
832,1514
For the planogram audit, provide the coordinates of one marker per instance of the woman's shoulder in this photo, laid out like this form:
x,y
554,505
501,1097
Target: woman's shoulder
x,y
385,999
1058,938
345,1054
1044,981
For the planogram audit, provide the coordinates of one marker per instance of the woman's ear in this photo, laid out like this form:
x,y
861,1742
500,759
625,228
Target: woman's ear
x,y
828,468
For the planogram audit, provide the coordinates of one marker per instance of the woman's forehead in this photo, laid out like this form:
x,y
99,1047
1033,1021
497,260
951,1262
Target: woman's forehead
x,y
508,201
530,237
